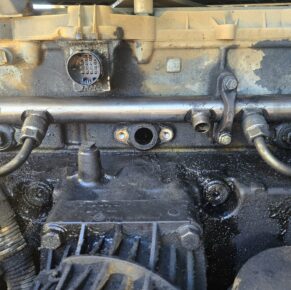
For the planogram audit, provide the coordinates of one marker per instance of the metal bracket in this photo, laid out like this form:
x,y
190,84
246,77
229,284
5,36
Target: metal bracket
x,y
227,89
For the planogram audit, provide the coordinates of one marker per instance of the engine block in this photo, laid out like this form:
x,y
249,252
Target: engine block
x,y
145,145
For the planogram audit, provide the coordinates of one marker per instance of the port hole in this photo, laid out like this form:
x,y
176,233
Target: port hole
x,y
202,127
143,136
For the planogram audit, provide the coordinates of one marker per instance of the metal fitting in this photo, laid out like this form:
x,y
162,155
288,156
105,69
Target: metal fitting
x,y
255,125
230,83
201,122
190,236
166,134
89,164
35,126
224,138
53,236
121,135
143,136
216,192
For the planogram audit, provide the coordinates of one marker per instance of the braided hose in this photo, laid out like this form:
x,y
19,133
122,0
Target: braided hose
x,y
15,256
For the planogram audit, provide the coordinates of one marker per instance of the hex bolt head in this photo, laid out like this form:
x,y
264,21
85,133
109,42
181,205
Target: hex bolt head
x,y
53,236
51,240
224,138
230,83
190,236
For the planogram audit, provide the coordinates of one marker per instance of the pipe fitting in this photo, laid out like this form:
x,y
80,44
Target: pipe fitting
x,y
89,164
143,136
35,126
255,125
201,122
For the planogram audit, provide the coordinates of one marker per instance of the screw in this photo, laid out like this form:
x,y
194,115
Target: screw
x,y
230,83
166,134
190,236
121,135
224,138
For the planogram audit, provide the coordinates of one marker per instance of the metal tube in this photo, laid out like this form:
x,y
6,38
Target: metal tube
x,y
19,159
269,158
276,108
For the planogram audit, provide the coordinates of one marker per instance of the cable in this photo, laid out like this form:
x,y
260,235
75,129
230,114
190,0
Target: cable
x,y
269,158
19,159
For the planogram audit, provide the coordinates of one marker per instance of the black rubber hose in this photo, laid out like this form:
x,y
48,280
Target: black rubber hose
x,y
19,159
269,158
15,257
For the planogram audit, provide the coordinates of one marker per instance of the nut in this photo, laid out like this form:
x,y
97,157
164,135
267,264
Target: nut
x,y
224,138
190,236
255,125
35,127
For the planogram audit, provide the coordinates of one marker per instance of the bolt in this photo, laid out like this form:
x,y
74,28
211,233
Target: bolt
x,y
53,237
190,236
166,135
224,138
216,192
230,83
121,135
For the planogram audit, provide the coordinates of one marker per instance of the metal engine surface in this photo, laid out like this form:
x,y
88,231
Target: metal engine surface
x,y
153,143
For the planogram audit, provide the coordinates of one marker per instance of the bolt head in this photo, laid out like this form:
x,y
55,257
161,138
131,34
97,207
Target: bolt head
x,y
231,83
51,240
166,135
216,192
190,236
224,139
121,135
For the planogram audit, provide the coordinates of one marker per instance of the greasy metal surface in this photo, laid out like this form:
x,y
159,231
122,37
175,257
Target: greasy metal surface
x,y
261,223
161,68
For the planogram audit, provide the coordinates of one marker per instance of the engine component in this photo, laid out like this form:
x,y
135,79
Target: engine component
x,y
269,269
142,177
32,133
256,129
15,256
118,234
226,86
89,64
89,166
84,68
201,122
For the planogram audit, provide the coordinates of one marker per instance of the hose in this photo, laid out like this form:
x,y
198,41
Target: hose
x,y
269,158
15,256
19,159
